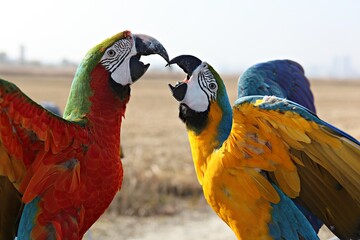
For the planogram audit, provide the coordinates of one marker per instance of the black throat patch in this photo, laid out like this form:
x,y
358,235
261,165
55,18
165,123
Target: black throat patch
x,y
195,121
123,92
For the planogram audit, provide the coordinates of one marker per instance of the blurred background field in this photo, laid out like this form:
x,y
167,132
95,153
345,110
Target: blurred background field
x,y
42,41
160,180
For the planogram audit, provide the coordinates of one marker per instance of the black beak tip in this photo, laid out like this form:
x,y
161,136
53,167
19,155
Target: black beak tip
x,y
188,63
166,57
146,66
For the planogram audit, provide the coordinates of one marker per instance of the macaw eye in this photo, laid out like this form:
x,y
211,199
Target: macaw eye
x,y
187,77
212,86
111,53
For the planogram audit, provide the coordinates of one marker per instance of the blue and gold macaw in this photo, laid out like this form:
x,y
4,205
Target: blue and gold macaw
x,y
270,147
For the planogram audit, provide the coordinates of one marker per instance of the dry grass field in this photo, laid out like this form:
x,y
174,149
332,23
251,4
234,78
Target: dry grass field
x,y
159,174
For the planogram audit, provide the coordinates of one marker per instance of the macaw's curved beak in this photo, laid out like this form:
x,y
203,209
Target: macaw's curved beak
x,y
145,45
188,63
179,90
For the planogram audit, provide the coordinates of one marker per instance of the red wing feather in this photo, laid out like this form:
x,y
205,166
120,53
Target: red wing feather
x,y
28,132
26,128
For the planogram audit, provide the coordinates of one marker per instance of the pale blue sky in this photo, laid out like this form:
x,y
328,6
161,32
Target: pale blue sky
x,y
324,35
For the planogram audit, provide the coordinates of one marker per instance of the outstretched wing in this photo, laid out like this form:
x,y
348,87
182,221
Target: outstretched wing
x,y
280,78
303,155
26,129
284,79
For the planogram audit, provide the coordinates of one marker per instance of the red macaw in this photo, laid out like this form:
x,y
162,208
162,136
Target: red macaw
x,y
60,174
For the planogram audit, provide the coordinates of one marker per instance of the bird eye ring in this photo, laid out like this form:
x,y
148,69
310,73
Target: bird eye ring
x,y
212,86
111,53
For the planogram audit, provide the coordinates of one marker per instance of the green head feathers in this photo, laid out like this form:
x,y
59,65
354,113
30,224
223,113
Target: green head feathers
x,y
78,103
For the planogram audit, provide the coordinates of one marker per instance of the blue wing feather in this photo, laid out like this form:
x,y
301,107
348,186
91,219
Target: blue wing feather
x,y
27,220
281,78
287,222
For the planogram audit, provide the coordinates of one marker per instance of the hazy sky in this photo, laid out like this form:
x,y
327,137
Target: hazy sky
x,y
323,35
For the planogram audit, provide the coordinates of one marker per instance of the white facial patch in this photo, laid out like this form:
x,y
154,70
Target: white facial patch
x,y
201,89
116,60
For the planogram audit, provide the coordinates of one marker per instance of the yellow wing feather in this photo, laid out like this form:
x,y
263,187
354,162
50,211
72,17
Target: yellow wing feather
x,y
282,131
265,188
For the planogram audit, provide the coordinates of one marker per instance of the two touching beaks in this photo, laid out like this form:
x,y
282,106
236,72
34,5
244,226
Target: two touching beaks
x,y
146,45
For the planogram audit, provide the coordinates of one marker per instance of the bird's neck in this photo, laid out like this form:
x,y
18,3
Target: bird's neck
x,y
107,103
78,103
94,98
211,137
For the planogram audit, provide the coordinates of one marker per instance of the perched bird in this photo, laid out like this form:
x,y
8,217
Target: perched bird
x,y
252,158
60,174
